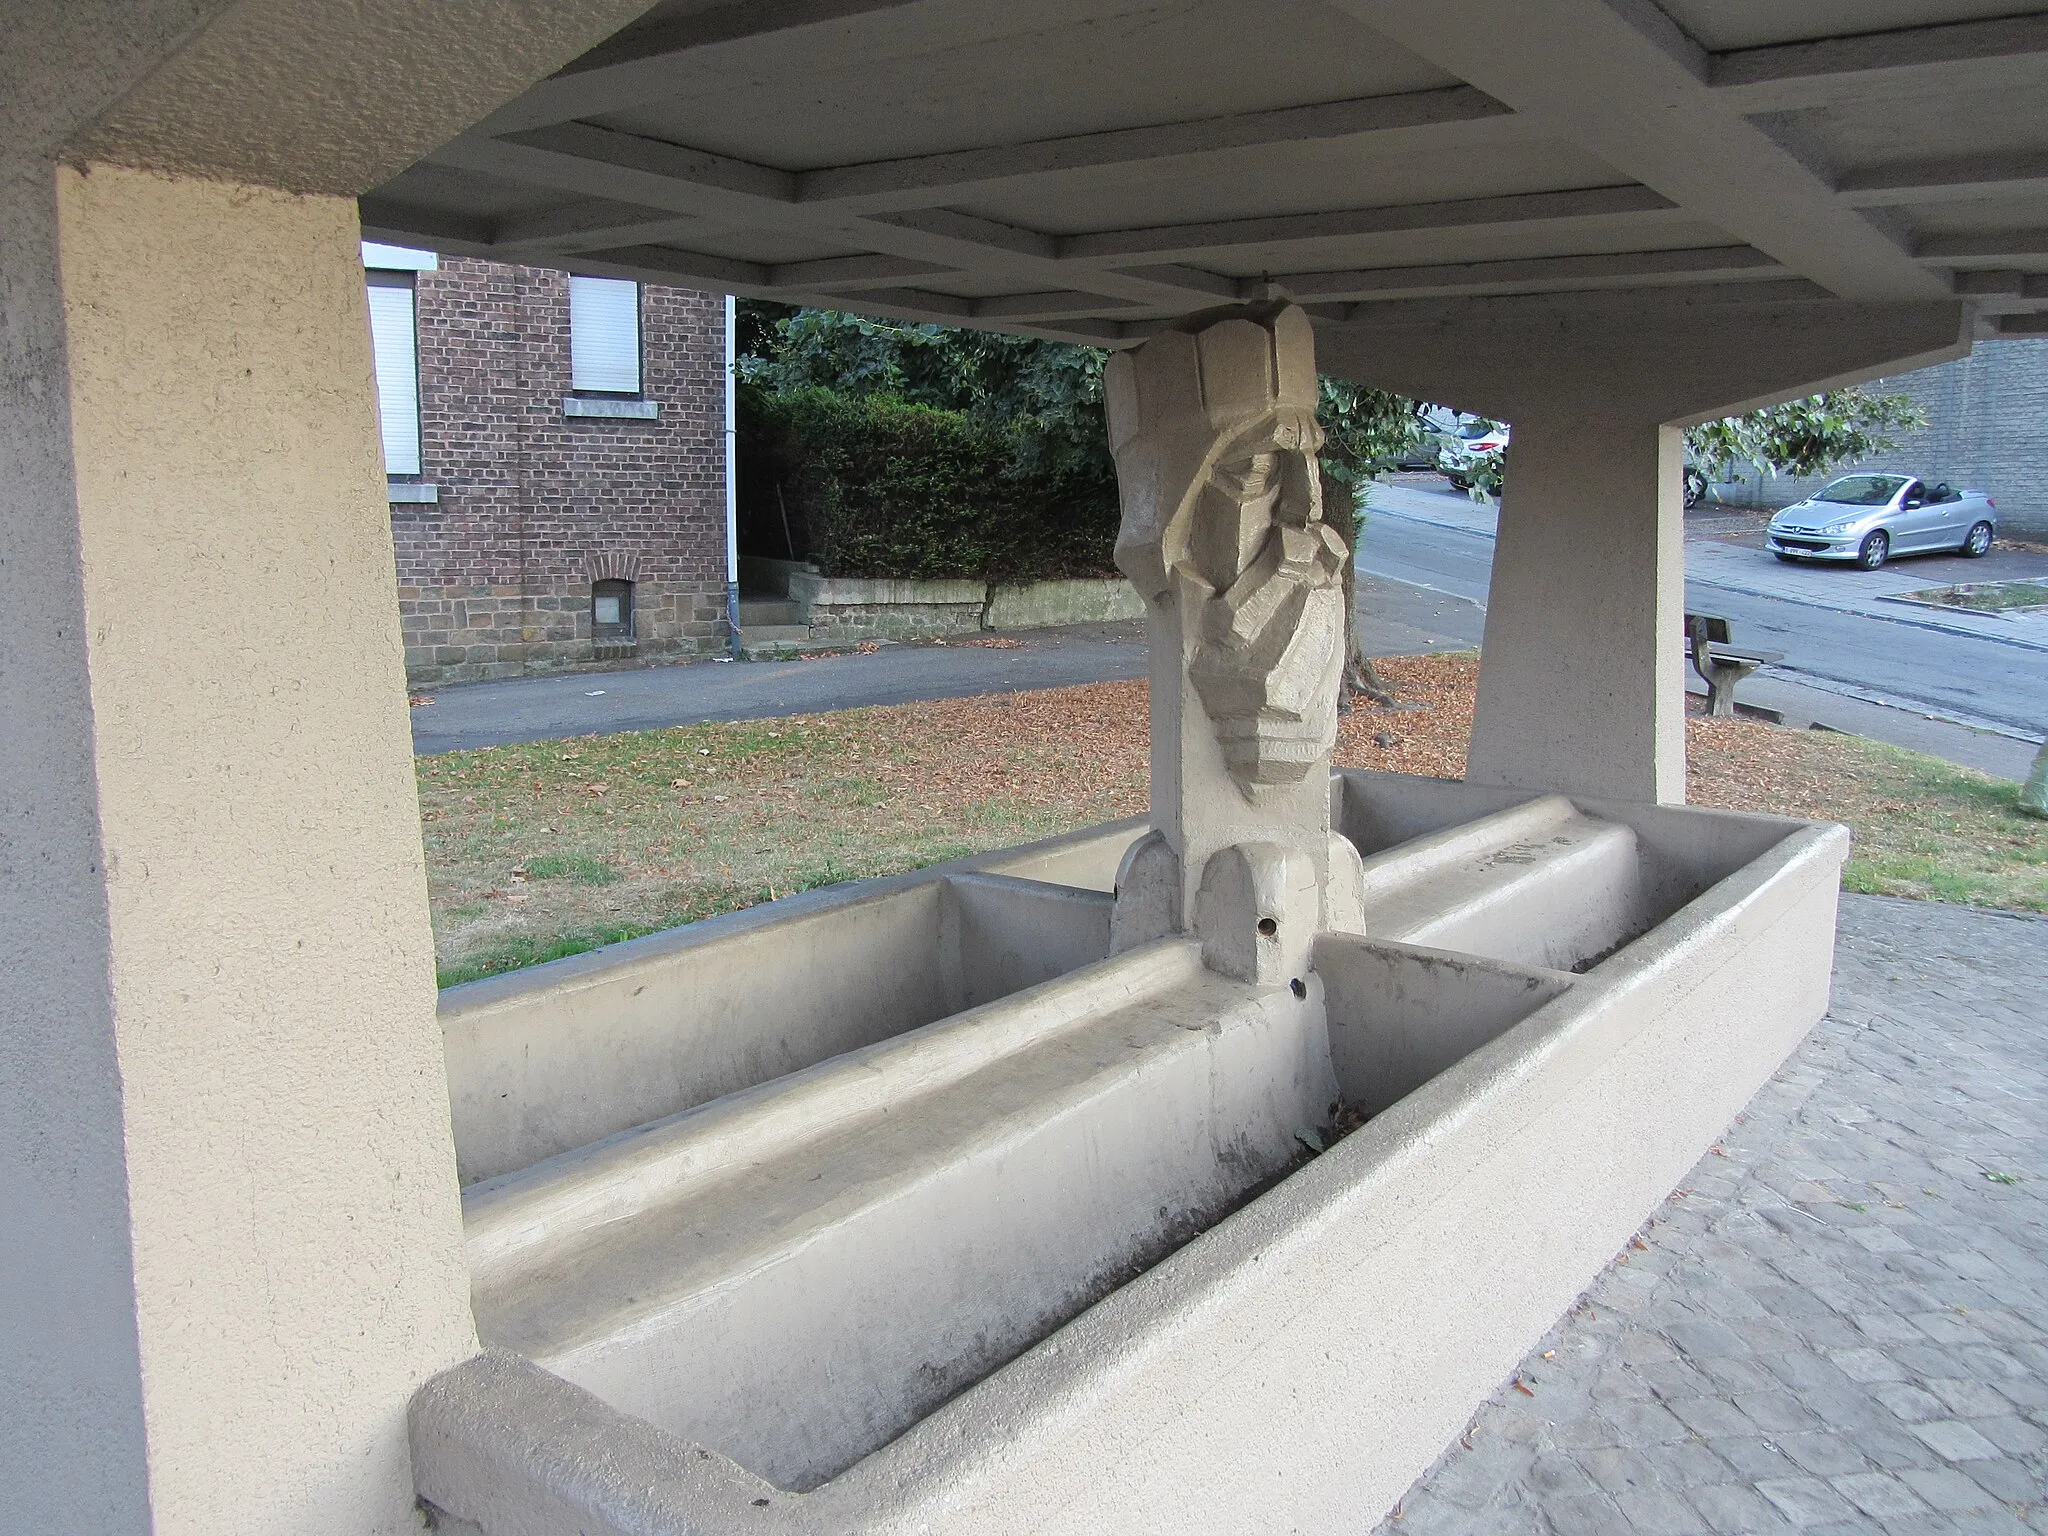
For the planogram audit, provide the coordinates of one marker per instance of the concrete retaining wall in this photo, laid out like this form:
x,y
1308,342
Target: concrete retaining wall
x,y
1045,603
849,608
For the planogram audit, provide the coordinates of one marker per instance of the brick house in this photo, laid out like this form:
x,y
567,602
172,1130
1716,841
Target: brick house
x,y
556,454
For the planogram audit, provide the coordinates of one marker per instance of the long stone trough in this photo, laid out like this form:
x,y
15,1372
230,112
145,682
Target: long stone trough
x,y
910,1206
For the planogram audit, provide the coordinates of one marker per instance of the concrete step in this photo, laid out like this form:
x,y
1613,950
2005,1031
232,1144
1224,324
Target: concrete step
x,y
796,1276
769,610
775,634
1540,884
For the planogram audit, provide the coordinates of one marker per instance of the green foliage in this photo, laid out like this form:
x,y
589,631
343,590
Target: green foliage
x,y
1805,437
1048,392
1366,432
1800,437
879,487
922,452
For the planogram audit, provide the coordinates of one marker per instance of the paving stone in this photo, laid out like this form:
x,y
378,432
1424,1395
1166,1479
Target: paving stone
x,y
1953,1440
1711,1416
1823,1455
1893,1448
1644,1423
1880,1495
1556,1475
1776,1360
2005,1479
1686,1464
1618,1470
1753,1457
1586,1515
2011,1434
1947,1489
1804,1500
1868,1365
1775,1412
1736,1509
1969,1399
1658,1512
1911,1404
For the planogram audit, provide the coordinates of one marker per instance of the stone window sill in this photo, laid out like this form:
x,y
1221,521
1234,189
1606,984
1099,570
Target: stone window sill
x,y
409,492
637,410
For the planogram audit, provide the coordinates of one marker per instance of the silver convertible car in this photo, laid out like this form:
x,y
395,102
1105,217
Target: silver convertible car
x,y
1870,518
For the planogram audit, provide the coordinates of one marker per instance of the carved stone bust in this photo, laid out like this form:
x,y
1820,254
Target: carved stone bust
x,y
1215,435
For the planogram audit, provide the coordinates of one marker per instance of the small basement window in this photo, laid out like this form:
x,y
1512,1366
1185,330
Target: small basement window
x,y
611,610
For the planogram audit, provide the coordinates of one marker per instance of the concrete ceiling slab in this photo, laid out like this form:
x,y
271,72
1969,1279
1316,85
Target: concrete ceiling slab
x,y
1079,168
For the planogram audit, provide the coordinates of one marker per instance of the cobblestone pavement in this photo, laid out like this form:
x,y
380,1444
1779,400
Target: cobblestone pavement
x,y
1840,1324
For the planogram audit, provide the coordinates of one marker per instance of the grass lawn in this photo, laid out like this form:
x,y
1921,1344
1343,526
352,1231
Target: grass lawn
x,y
551,848
1986,596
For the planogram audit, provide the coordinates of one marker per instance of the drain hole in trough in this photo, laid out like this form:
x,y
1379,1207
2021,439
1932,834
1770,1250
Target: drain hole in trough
x,y
1268,927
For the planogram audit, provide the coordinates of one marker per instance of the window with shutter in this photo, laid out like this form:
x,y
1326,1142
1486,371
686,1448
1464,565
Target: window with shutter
x,y
604,335
395,345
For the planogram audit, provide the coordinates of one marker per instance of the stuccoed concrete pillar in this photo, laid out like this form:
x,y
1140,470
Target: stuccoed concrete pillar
x,y
229,1223
1215,434
1582,688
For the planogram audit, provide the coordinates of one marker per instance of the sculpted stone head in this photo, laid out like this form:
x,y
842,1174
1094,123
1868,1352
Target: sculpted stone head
x,y
1215,435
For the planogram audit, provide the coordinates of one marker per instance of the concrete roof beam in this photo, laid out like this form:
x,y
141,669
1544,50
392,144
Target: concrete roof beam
x,y
1552,273
1192,241
640,63
1406,121
1946,180
1623,82
1790,76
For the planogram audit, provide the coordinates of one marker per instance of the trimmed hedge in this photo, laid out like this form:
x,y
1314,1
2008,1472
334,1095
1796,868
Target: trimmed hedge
x,y
873,487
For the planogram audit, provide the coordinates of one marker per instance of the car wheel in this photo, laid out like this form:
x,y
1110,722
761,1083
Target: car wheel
x,y
1695,488
1978,542
1875,551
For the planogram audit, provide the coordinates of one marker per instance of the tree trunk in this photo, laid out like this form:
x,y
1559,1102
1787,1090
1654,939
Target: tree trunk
x,y
2034,793
1358,675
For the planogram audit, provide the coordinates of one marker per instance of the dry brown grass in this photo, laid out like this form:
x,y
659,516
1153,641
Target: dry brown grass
x,y
548,848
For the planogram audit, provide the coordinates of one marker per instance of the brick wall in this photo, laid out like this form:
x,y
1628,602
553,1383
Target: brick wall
x,y
534,506
1987,428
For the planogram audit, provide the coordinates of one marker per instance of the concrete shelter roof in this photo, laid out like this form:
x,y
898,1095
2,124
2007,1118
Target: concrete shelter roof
x,y
1091,169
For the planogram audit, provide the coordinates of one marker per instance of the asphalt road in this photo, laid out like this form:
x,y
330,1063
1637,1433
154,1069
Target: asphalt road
x,y
1838,631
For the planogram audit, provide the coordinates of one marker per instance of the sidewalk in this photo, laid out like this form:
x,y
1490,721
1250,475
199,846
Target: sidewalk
x,y
1841,1323
1733,565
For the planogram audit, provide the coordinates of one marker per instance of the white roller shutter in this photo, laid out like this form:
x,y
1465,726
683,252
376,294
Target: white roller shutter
x,y
396,347
604,335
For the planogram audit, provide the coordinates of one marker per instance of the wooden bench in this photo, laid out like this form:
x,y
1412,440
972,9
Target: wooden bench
x,y
1719,663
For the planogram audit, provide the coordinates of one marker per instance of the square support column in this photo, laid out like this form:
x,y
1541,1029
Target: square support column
x,y
232,1229
1582,687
